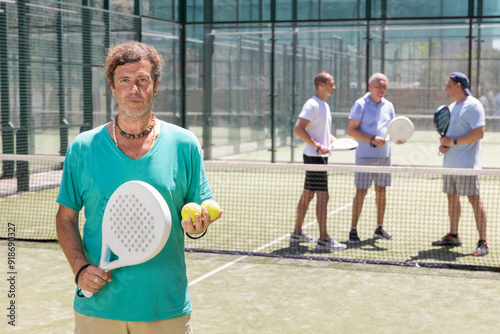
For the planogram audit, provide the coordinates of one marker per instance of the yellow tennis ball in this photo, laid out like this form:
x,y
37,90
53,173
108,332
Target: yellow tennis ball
x,y
189,210
212,207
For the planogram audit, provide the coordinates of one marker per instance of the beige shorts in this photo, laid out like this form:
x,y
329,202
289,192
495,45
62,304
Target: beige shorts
x,y
91,325
461,185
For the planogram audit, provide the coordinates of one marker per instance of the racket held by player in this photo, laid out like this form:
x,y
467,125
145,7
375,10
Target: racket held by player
x,y
344,144
442,117
135,226
399,129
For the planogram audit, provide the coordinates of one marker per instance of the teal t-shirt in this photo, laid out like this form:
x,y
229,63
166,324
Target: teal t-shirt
x,y
94,168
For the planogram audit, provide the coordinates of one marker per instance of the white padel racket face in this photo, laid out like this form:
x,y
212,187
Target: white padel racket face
x,y
135,227
400,129
344,144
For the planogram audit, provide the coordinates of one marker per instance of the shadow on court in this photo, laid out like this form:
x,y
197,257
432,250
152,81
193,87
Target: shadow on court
x,y
440,254
294,249
371,245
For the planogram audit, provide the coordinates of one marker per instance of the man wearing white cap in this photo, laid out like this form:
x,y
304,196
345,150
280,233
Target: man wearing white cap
x,y
462,149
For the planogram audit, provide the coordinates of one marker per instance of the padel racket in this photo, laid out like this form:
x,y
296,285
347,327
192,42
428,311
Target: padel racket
x,y
135,226
400,129
442,117
344,144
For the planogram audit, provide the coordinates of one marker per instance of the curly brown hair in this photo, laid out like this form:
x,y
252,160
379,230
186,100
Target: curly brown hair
x,y
132,52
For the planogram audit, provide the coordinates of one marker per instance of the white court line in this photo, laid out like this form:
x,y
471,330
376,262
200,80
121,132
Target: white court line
x,y
227,265
215,271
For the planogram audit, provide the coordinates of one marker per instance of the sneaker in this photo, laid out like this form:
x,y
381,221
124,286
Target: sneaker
x,y
353,237
381,234
448,240
302,237
482,248
330,244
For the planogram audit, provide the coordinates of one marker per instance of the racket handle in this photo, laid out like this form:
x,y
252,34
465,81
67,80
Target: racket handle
x,y
90,294
87,294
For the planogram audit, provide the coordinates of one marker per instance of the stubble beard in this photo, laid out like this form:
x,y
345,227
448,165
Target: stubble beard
x,y
136,116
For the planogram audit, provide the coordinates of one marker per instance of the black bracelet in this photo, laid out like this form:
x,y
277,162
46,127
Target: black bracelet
x,y
79,293
201,236
79,272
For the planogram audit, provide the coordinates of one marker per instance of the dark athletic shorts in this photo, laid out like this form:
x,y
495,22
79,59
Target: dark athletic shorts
x,y
316,181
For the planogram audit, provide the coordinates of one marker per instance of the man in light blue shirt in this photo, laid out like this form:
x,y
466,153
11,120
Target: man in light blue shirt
x,y
462,149
368,122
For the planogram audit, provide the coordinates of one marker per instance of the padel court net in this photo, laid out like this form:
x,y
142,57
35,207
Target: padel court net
x,y
260,204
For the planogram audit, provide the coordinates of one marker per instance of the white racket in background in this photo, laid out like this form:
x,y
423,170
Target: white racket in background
x,y
135,226
344,144
399,129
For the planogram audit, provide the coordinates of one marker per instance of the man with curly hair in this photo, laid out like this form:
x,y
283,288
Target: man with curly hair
x,y
151,297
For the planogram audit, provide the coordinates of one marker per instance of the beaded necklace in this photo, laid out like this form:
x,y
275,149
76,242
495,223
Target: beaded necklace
x,y
143,133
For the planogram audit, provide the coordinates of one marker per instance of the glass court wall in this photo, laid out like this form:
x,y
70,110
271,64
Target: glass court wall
x,y
238,72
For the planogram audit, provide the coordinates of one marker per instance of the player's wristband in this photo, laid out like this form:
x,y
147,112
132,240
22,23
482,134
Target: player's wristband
x,y
455,141
319,148
372,138
80,271
198,236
